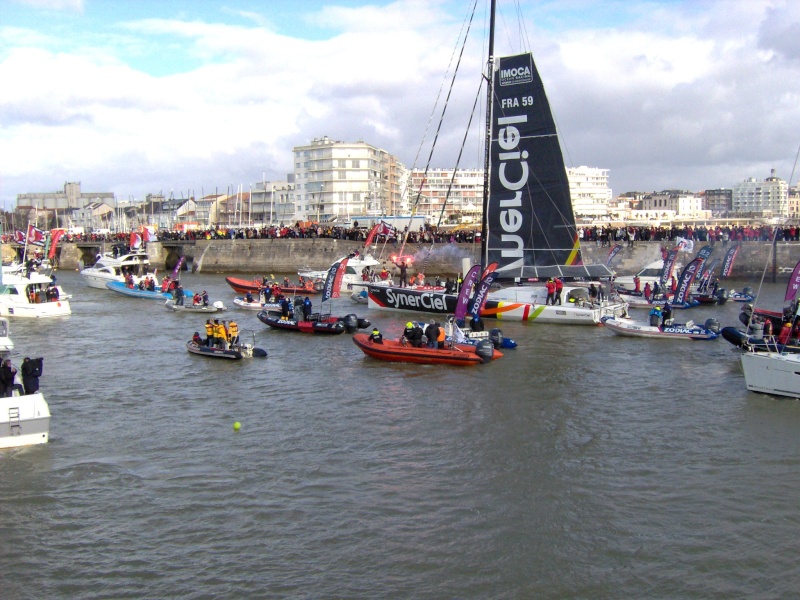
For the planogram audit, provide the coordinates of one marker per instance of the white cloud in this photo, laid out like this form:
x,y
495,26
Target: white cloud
x,y
692,99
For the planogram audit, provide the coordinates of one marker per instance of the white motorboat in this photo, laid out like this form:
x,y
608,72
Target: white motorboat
x,y
680,331
24,420
110,268
354,273
650,274
35,295
6,345
772,373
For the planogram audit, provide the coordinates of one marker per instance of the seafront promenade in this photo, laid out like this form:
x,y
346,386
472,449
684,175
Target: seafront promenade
x,y
279,255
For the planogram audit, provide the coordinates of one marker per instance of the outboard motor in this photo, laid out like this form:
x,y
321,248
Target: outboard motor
x,y
712,325
748,290
485,350
350,323
747,312
497,337
218,304
722,296
364,323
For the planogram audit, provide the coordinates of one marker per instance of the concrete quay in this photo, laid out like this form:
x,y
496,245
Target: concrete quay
x,y
265,256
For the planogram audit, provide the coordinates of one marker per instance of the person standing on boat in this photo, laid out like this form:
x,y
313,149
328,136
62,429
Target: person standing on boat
x,y
551,291
8,376
220,335
178,293
559,286
403,273
209,333
647,291
233,333
666,314
204,296
307,309
637,284
285,308
31,371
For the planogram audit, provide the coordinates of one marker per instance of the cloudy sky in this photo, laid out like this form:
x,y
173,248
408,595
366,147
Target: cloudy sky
x,y
192,96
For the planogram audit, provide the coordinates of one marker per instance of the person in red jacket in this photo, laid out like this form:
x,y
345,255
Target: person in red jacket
x,y
551,292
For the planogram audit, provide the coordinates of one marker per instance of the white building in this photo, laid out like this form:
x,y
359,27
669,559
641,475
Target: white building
x,y
589,190
464,204
756,198
682,205
335,180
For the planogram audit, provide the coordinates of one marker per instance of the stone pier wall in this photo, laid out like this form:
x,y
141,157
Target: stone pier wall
x,y
287,256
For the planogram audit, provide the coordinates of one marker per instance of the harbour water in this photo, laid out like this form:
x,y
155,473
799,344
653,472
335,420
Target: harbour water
x,y
581,465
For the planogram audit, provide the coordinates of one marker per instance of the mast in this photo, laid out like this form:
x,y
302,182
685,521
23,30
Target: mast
x,y
488,139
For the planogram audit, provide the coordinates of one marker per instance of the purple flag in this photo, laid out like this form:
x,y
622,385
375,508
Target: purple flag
x,y
466,290
730,256
613,253
685,282
794,284
478,300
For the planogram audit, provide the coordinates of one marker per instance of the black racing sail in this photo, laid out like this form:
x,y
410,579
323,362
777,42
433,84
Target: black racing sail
x,y
529,227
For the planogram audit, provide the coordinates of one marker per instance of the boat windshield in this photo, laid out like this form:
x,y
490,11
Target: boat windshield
x,y
8,289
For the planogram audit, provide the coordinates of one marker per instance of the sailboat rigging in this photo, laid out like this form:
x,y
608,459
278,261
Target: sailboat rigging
x,y
528,226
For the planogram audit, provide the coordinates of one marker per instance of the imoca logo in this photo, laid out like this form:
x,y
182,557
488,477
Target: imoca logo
x,y
515,76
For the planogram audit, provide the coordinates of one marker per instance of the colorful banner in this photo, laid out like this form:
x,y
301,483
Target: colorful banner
x,y
685,281
55,236
333,280
730,256
177,268
35,236
478,300
794,284
613,252
135,241
669,264
465,292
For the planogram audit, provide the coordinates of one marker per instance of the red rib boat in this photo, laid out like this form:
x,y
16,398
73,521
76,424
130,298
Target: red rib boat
x,y
254,285
459,355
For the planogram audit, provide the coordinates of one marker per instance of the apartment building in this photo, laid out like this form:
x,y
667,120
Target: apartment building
x,y
761,198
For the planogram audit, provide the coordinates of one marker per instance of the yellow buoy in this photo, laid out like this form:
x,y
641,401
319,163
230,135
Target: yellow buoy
x,y
237,426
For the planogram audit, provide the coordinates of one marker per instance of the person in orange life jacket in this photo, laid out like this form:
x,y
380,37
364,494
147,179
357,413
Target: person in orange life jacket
x,y
647,292
785,333
559,287
551,292
209,333
637,284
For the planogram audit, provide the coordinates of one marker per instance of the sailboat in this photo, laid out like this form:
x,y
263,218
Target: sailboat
x,y
528,226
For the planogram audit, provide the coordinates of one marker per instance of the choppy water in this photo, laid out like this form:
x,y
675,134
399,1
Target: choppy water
x,y
581,465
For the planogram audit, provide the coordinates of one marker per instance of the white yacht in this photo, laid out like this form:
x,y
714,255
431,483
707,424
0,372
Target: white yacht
x,y
772,373
355,265
24,419
650,274
35,295
110,268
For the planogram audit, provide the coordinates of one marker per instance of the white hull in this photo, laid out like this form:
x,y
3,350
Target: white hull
x,y
771,373
98,280
24,421
675,331
353,271
528,303
11,308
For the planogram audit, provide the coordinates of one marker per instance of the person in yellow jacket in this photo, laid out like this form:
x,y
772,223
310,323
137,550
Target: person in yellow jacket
x,y
220,335
233,333
209,333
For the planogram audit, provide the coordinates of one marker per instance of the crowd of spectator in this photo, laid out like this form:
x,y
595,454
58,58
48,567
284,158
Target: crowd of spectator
x,y
600,235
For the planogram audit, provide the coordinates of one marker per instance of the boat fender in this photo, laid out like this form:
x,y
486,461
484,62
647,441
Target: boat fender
x,y
712,325
722,296
350,323
496,335
485,349
747,290
364,323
